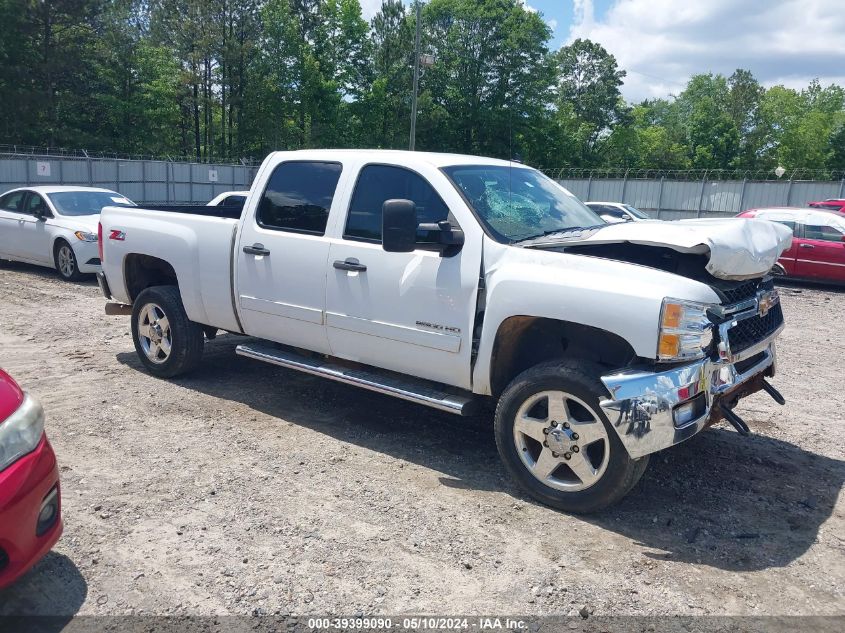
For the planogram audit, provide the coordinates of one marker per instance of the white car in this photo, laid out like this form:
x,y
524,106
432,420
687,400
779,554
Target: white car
x,y
613,212
229,199
55,226
457,282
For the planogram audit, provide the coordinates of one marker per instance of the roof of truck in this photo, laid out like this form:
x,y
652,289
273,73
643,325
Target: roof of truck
x,y
432,158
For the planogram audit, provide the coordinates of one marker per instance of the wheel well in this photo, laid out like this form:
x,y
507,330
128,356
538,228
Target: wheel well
x,y
524,341
143,271
58,241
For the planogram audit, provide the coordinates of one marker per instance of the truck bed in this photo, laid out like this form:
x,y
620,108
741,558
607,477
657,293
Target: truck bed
x,y
196,241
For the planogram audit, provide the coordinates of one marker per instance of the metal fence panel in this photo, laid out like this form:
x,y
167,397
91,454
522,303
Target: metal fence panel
x,y
642,193
677,199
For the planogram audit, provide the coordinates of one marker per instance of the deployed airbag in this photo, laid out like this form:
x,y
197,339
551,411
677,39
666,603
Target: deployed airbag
x,y
738,248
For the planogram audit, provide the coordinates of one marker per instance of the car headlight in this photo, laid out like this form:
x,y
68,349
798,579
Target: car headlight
x,y
685,331
21,432
85,236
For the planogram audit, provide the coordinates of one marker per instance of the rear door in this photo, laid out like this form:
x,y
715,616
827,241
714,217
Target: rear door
x,y
11,222
821,252
407,312
282,254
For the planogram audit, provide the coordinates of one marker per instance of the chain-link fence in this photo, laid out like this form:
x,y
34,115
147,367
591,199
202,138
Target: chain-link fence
x,y
673,195
139,178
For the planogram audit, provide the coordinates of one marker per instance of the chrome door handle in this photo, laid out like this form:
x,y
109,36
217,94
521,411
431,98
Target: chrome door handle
x,y
350,263
806,246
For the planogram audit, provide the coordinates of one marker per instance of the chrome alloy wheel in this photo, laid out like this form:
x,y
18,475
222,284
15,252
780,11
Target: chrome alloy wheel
x,y
561,441
154,333
66,261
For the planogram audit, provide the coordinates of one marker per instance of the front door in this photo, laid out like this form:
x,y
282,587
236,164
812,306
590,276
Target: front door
x,y
282,254
34,242
821,253
407,312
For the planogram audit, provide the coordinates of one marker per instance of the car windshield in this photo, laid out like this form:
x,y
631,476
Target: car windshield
x,y
637,213
87,202
517,203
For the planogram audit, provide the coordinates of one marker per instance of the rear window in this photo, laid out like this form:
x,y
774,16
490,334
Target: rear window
x,y
298,197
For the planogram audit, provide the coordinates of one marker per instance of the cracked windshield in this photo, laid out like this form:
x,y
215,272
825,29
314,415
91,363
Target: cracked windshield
x,y
516,203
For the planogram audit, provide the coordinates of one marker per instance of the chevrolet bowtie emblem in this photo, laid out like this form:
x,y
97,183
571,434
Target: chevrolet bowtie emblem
x,y
766,301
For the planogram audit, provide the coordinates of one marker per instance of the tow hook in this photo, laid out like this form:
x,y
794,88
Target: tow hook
x,y
737,422
774,393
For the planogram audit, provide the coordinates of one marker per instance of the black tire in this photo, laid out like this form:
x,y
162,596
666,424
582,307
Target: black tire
x,y
581,380
70,270
185,337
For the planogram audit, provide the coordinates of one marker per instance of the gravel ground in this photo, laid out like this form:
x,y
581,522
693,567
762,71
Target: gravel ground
x,y
246,488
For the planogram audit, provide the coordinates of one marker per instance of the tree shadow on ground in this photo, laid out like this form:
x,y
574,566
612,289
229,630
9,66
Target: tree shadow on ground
x,y
44,272
53,589
733,503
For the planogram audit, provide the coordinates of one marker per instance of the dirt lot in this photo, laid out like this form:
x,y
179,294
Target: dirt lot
x,y
246,488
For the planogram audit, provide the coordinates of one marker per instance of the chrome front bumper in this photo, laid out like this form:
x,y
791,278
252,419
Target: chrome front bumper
x,y
642,403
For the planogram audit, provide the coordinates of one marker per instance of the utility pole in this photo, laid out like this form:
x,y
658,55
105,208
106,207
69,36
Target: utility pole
x,y
413,142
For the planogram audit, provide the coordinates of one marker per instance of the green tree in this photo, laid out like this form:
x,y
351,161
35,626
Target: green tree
x,y
589,80
491,80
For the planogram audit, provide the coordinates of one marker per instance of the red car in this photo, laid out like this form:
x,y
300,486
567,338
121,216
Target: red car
x,y
30,500
831,204
818,244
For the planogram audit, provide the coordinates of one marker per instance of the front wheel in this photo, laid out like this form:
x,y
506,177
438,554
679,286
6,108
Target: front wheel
x,y
65,260
557,443
166,340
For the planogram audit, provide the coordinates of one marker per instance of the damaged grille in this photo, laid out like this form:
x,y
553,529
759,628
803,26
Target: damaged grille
x,y
750,331
745,290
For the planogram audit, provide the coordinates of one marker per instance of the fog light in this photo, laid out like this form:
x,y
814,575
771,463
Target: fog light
x,y
49,512
691,410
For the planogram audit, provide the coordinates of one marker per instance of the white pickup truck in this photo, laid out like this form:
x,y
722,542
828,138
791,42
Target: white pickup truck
x,y
452,281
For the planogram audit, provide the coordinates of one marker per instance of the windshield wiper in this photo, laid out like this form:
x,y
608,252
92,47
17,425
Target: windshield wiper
x,y
577,230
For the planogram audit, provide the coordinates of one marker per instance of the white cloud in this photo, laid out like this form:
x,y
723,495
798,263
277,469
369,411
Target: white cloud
x,y
369,8
552,24
527,6
661,43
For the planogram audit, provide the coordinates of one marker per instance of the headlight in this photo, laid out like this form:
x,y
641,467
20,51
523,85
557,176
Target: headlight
x,y
685,330
85,236
21,432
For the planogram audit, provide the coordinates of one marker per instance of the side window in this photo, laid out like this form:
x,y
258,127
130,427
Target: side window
x,y
35,204
791,225
822,232
298,197
12,201
233,201
379,183
613,212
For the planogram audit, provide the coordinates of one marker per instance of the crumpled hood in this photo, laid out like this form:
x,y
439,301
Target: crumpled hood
x,y
78,222
738,248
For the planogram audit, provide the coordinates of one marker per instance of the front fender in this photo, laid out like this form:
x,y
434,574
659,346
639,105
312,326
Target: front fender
x,y
617,297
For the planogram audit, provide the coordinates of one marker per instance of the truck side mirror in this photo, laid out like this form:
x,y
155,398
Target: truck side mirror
x,y
399,226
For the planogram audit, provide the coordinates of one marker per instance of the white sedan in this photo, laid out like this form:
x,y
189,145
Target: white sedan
x,y
613,212
55,226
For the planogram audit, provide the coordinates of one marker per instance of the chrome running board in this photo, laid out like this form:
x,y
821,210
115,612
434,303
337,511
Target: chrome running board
x,y
424,392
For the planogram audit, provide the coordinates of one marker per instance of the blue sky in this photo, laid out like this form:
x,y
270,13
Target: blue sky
x,y
661,43
559,14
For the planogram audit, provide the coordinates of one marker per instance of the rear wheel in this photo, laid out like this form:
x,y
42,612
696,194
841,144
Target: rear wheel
x,y
557,443
166,341
65,260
